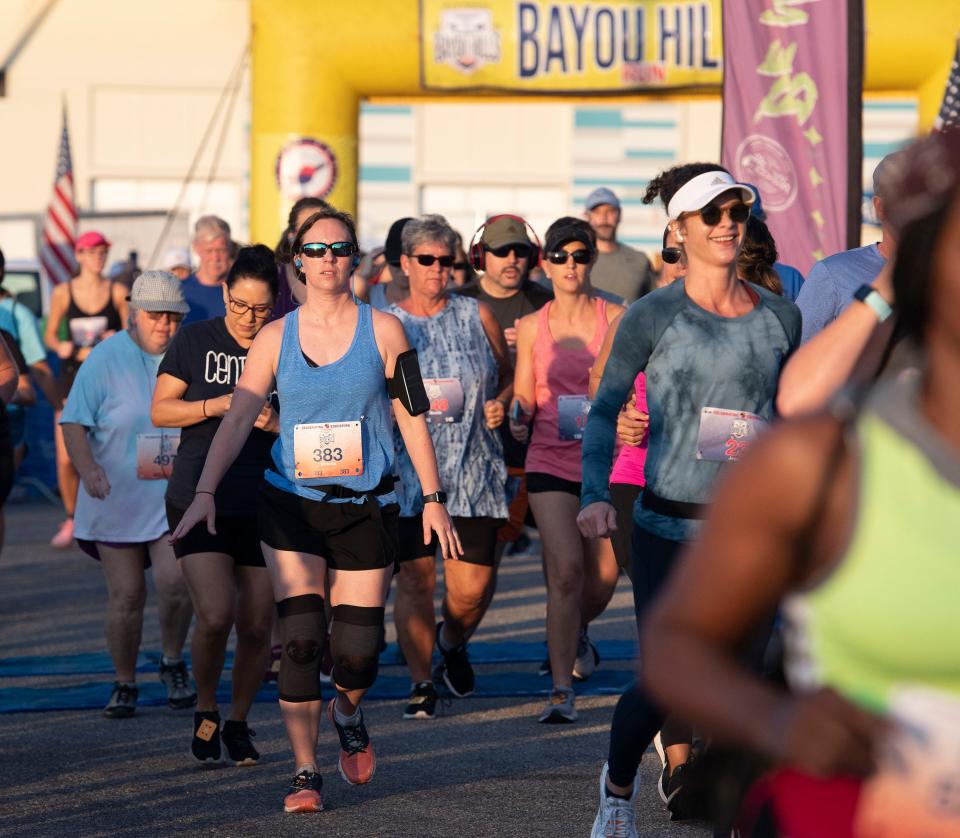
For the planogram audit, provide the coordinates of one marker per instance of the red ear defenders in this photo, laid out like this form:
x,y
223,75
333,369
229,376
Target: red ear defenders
x,y
478,254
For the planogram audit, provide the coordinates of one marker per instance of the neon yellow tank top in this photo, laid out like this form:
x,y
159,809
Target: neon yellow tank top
x,y
889,613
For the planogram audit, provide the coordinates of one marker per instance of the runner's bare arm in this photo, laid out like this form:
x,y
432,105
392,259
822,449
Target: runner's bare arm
x,y
851,345
59,300
9,375
119,293
392,341
524,388
729,585
256,382
596,371
78,449
631,423
170,410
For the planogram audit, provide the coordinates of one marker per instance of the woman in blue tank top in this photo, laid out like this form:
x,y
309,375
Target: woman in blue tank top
x,y
328,508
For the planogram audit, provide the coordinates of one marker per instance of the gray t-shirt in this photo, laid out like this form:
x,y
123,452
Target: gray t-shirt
x,y
625,273
829,288
693,360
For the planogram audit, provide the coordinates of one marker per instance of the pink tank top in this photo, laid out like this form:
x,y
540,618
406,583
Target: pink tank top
x,y
562,379
629,465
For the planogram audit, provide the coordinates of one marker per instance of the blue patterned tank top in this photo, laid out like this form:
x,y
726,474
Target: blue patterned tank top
x,y
455,359
351,389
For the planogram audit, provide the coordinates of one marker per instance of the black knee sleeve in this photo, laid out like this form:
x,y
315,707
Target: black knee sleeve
x,y
303,631
355,645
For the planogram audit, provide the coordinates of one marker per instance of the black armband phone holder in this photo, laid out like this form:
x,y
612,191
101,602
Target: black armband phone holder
x,y
407,384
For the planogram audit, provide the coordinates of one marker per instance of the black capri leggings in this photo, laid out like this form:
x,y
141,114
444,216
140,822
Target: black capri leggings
x,y
623,496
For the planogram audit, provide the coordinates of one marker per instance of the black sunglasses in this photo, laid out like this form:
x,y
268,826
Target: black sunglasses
x,y
522,250
459,266
670,255
317,250
711,214
427,259
561,257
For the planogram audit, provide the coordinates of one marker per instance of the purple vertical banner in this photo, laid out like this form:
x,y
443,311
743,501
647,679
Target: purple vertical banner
x,y
792,118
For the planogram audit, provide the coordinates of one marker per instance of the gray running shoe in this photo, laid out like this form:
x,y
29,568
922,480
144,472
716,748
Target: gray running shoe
x,y
180,695
123,701
559,709
587,657
615,817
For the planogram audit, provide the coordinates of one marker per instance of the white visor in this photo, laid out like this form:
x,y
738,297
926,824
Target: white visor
x,y
697,192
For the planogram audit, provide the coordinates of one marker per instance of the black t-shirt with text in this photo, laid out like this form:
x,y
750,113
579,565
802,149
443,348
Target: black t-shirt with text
x,y
209,361
529,298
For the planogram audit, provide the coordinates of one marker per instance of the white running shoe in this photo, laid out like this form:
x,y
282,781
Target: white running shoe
x,y
560,708
615,817
587,657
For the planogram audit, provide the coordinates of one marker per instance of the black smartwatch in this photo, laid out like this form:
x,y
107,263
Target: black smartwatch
x,y
435,497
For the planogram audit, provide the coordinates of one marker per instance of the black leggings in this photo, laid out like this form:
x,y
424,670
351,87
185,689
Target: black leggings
x,y
623,496
636,718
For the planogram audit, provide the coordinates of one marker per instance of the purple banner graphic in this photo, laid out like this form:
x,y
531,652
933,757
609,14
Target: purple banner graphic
x,y
791,126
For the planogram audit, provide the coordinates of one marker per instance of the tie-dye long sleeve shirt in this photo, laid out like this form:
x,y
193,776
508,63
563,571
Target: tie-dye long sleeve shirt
x,y
693,360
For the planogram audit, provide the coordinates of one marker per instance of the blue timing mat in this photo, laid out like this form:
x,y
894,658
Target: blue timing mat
x,y
96,663
94,694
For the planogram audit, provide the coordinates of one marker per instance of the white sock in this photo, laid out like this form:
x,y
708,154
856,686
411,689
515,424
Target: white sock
x,y
346,721
308,767
165,661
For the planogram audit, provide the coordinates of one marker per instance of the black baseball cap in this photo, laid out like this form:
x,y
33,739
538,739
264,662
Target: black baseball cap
x,y
570,229
393,248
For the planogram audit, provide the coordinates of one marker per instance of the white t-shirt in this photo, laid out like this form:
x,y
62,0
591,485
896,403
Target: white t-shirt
x,y
111,398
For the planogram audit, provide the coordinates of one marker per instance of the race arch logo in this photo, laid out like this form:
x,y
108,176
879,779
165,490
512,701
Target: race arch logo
x,y
306,169
764,162
466,40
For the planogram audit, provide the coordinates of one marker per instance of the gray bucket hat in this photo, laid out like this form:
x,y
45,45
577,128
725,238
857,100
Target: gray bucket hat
x,y
158,291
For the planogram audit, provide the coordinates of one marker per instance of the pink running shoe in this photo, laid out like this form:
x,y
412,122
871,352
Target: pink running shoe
x,y
64,536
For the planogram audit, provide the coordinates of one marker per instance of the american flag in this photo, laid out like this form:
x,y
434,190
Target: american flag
x,y
60,224
950,108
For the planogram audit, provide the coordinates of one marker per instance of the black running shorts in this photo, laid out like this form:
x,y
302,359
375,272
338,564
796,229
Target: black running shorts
x,y
350,536
478,537
237,536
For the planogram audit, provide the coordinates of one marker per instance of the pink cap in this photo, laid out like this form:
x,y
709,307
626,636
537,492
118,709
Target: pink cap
x,y
91,239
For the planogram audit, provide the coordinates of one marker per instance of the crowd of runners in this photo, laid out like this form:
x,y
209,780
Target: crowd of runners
x,y
284,432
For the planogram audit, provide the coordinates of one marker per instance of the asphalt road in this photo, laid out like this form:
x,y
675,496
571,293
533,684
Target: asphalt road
x,y
485,768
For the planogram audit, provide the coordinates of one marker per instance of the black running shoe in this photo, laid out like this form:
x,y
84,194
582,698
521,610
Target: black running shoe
x,y
454,669
236,737
521,546
205,746
123,701
423,702
180,695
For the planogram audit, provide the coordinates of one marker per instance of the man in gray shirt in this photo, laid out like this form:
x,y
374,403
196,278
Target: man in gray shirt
x,y
619,270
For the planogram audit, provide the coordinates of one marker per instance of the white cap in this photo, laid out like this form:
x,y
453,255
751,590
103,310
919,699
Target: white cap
x,y
175,257
699,191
